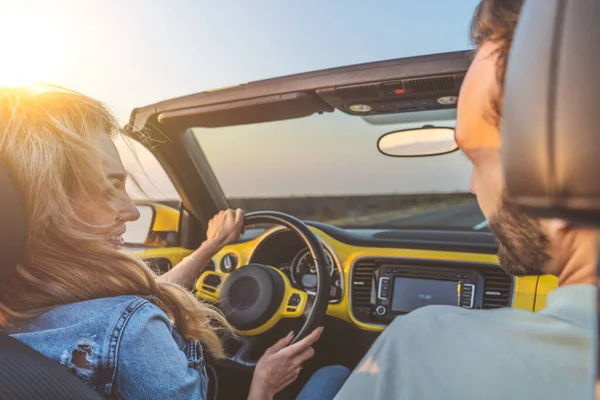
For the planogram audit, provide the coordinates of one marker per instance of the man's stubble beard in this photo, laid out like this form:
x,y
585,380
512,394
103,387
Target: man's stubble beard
x,y
523,248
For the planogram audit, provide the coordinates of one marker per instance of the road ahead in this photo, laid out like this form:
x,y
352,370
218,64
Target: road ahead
x,y
461,216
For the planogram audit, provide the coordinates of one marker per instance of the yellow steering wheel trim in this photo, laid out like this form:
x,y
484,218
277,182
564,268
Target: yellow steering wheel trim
x,y
208,292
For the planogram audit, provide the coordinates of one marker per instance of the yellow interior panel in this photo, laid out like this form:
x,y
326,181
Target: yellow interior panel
x,y
166,218
205,294
524,292
546,284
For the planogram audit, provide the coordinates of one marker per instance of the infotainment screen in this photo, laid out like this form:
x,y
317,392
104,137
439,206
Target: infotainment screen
x,y
411,293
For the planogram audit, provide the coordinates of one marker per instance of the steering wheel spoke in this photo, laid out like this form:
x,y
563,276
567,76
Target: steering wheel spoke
x,y
208,286
243,356
294,303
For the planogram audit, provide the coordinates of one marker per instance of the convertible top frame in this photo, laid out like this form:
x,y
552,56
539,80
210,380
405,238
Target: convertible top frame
x,y
164,127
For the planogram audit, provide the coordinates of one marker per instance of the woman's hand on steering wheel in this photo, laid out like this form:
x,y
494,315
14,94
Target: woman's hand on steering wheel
x,y
281,365
225,227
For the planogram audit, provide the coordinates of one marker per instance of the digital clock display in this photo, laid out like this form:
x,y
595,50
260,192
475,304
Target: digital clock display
x,y
410,293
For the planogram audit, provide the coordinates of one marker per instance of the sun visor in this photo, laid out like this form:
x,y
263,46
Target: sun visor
x,y
445,116
252,111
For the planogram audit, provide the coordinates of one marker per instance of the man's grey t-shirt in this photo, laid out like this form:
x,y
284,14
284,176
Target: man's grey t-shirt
x,y
444,352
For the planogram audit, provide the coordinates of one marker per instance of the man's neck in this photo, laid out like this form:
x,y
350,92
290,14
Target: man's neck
x,y
580,267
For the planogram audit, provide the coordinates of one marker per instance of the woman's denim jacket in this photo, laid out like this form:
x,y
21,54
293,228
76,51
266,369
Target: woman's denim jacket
x,y
131,347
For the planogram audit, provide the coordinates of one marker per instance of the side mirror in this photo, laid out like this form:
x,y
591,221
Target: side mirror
x,y
157,226
421,142
138,231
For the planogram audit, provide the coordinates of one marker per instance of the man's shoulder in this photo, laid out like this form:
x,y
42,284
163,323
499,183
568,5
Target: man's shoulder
x,y
455,316
450,322
445,324
457,348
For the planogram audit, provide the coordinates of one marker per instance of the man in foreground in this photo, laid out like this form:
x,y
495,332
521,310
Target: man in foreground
x,y
442,352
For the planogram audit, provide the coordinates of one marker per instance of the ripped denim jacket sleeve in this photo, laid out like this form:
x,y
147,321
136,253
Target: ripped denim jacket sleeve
x,y
154,362
84,360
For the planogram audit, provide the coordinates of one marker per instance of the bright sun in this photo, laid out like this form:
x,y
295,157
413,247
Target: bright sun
x,y
32,50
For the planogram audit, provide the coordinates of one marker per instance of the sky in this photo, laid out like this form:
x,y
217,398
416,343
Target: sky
x,y
132,53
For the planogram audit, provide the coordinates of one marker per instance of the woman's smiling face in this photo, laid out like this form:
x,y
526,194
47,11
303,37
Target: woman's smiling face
x,y
118,208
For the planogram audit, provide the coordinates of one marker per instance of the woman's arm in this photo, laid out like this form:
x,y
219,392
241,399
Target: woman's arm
x,y
190,268
223,229
150,363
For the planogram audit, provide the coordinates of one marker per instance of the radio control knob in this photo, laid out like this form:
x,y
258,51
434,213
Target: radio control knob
x,y
380,310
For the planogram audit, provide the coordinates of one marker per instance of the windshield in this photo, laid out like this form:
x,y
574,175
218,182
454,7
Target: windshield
x,y
328,168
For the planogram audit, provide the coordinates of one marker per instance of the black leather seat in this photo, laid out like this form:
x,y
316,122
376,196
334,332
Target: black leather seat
x,y
25,373
551,120
551,124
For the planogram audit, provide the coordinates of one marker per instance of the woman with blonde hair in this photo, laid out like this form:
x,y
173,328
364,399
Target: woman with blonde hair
x,y
75,298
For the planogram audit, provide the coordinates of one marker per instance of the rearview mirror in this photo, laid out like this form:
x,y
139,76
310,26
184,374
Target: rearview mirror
x,y
420,142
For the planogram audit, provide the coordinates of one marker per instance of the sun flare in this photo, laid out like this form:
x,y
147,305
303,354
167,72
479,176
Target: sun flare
x,y
32,50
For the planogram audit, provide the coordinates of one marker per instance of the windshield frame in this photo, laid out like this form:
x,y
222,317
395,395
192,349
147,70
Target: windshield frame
x,y
181,156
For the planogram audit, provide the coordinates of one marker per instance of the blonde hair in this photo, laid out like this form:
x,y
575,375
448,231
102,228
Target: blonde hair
x,y
47,143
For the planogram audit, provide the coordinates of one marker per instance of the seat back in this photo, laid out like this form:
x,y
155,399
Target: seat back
x,y
24,372
551,122
13,229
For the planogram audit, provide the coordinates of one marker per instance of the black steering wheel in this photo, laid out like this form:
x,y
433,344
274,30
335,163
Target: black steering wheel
x,y
255,297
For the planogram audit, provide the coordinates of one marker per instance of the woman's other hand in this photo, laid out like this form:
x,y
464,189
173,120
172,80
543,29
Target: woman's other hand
x,y
281,365
225,227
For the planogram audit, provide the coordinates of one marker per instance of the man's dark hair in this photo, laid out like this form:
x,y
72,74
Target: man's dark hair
x,y
495,21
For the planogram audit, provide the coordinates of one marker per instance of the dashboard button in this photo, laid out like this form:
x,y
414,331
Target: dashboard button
x,y
294,300
334,292
384,288
381,311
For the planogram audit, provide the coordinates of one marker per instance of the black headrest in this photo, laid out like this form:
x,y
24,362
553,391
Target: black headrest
x,y
551,120
13,230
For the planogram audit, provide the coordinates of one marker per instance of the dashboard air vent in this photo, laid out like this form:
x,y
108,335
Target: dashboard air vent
x,y
211,282
430,85
497,289
357,92
362,289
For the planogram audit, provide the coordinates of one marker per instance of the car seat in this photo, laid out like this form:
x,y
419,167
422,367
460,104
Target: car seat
x,y
24,372
551,122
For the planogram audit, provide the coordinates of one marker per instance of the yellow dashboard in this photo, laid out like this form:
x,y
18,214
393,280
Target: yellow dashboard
x,y
528,293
